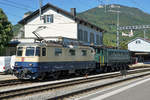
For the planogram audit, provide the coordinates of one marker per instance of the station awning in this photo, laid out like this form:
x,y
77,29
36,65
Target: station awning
x,y
142,53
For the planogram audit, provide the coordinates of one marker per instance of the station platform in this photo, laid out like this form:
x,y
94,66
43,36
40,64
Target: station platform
x,y
140,65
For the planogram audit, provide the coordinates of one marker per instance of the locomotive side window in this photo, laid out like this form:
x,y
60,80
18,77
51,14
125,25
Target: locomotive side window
x,y
84,53
43,51
37,53
30,51
19,51
72,52
58,52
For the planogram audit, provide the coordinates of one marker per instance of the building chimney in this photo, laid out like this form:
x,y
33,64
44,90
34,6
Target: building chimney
x,y
73,11
27,14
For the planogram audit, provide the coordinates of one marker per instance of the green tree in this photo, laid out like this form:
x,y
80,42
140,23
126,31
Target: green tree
x,y
5,30
123,45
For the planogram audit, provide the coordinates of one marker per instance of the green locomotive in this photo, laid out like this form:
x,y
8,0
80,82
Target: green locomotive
x,y
110,59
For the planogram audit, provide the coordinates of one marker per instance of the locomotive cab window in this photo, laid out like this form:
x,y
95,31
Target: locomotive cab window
x,y
43,51
37,53
19,51
29,51
72,52
58,52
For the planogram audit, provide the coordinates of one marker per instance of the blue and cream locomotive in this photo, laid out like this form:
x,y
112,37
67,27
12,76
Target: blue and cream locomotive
x,y
40,60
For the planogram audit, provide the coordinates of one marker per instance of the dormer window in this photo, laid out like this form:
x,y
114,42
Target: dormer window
x,y
48,18
138,42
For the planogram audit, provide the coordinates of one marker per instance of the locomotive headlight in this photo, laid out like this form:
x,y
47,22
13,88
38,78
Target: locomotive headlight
x,y
30,64
16,64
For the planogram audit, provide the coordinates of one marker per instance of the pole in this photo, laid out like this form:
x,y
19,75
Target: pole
x,y
117,29
117,35
105,8
40,10
144,34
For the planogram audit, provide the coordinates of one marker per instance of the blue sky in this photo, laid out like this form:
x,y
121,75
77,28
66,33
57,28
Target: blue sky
x,y
15,9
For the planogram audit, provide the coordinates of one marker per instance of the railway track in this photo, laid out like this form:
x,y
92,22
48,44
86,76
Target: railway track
x,y
12,82
17,82
73,94
60,84
1,73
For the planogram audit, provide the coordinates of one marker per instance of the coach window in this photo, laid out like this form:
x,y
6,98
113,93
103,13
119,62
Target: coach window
x,y
84,53
43,51
19,51
58,52
37,53
72,52
30,51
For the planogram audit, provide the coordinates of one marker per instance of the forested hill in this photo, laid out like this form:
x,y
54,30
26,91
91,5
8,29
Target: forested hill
x,y
107,20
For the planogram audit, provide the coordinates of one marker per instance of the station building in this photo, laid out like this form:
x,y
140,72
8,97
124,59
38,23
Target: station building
x,y
57,23
140,49
60,23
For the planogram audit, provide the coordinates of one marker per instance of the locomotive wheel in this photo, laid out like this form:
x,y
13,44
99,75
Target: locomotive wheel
x,y
42,76
105,70
84,72
55,75
79,72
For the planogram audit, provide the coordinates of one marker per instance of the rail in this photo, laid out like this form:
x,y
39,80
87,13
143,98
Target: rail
x,y
60,84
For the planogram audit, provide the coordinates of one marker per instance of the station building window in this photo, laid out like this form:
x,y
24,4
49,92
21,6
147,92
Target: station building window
x,y
138,42
91,37
48,18
80,35
97,39
85,36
